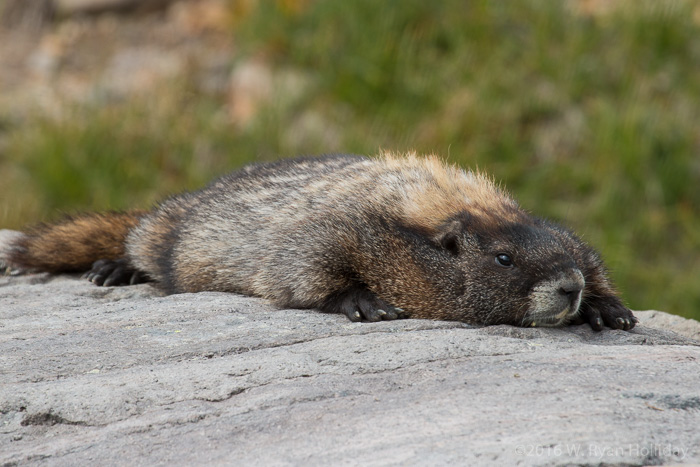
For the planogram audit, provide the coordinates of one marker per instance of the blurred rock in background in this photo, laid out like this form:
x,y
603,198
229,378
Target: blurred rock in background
x,y
96,53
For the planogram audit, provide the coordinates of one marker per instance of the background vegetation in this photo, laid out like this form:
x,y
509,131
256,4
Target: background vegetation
x,y
588,117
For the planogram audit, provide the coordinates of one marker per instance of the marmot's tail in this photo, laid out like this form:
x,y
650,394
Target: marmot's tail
x,y
69,245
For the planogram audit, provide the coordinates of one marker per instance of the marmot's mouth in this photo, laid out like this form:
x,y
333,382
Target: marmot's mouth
x,y
559,319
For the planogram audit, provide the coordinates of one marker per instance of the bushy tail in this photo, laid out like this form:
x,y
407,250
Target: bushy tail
x,y
69,245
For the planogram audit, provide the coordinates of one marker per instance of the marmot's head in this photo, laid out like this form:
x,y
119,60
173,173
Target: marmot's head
x,y
506,272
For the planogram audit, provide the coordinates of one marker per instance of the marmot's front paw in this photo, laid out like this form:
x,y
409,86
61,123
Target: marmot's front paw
x,y
608,311
359,303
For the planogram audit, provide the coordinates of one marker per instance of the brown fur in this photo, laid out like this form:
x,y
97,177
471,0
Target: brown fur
x,y
75,242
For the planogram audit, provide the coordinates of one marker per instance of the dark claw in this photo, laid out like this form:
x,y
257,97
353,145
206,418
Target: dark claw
x,y
116,278
99,276
373,315
597,324
390,314
97,279
136,278
400,314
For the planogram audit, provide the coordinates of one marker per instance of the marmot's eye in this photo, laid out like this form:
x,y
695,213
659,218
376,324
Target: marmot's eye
x,y
504,260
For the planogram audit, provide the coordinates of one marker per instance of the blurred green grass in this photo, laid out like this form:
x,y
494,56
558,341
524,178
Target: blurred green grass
x,y
589,119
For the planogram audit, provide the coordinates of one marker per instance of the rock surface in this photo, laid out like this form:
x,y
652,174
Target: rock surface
x,y
92,375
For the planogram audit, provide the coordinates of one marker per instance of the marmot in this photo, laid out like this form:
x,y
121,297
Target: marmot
x,y
373,238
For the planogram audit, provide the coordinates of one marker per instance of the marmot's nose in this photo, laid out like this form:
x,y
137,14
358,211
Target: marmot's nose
x,y
572,287
572,293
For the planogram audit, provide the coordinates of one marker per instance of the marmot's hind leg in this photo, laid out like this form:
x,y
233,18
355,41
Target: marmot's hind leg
x,y
109,272
358,303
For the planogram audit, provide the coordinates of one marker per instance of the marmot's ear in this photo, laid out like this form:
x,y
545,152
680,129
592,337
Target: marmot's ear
x,y
451,232
448,236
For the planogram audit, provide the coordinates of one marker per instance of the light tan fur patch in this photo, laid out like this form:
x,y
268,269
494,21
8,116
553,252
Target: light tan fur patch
x,y
434,191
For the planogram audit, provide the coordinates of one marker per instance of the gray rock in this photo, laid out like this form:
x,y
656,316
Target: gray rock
x,y
660,320
121,376
7,239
